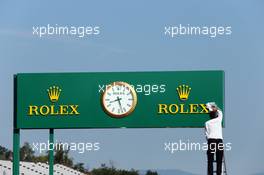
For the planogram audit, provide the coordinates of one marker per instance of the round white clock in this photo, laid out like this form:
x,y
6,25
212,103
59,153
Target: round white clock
x,y
119,99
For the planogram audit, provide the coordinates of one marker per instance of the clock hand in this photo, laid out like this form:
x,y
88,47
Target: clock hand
x,y
113,101
118,99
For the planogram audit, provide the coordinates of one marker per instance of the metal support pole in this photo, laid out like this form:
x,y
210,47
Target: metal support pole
x,y
16,133
51,151
16,145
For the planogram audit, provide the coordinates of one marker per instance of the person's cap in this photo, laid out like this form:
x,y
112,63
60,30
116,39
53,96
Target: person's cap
x,y
210,105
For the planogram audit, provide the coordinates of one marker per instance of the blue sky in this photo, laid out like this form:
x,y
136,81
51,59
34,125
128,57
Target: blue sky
x,y
132,39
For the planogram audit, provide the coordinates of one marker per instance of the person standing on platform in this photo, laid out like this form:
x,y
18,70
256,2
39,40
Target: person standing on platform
x,y
214,136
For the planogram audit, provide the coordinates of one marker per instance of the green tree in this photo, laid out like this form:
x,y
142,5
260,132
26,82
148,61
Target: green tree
x,y
5,154
9,155
104,170
26,152
80,167
149,172
131,172
41,158
62,156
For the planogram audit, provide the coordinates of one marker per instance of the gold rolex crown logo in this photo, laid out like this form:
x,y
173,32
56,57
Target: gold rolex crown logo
x,y
183,92
54,93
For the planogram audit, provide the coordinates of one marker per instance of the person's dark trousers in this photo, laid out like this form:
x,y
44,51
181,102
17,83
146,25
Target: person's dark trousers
x,y
215,147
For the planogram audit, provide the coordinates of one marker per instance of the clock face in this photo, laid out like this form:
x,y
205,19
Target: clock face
x,y
119,99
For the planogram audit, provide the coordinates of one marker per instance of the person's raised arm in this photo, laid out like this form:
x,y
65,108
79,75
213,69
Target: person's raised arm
x,y
206,131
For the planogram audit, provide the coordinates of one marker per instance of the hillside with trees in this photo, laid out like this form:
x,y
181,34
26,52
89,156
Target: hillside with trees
x,y
62,157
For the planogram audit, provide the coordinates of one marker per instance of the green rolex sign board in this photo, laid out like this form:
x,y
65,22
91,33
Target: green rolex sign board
x,y
116,99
